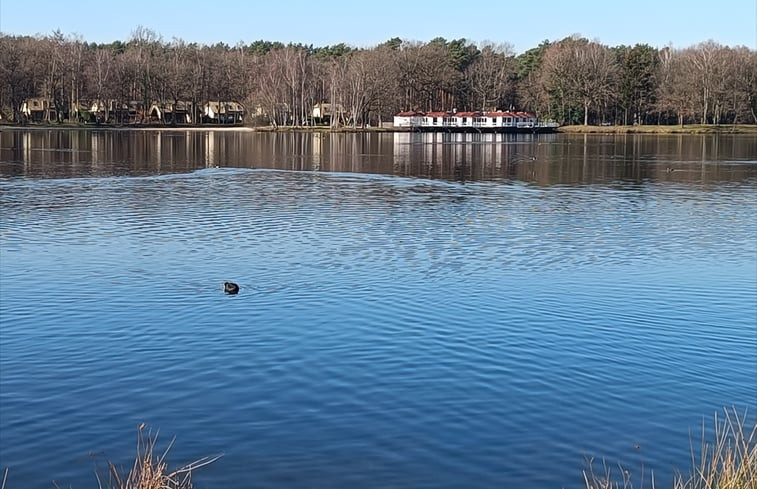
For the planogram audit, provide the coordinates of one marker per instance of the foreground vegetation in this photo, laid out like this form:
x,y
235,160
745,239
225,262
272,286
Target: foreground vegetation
x,y
150,470
726,458
729,461
573,80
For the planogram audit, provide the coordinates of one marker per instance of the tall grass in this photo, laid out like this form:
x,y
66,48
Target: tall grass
x,y
150,470
728,461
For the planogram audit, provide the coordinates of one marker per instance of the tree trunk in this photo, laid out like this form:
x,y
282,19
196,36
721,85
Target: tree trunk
x,y
586,112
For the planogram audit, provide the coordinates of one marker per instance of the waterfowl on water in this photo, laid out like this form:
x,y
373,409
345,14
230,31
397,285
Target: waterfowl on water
x,y
230,288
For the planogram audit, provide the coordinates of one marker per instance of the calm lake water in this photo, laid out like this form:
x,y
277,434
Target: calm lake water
x,y
416,310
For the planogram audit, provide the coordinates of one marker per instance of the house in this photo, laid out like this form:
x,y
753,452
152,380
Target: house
x,y
223,112
408,119
324,112
437,119
39,109
131,112
468,119
179,112
100,110
81,111
498,121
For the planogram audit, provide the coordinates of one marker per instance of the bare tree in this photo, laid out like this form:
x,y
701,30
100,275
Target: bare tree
x,y
705,62
491,77
426,76
17,75
676,93
580,71
743,84
101,71
143,49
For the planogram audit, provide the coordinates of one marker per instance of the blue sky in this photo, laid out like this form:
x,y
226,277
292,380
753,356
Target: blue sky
x,y
361,23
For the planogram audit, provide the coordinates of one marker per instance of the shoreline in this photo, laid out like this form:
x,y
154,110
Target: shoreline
x,y
188,127
655,129
577,129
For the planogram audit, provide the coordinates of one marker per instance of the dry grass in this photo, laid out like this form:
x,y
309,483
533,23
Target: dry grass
x,y
149,470
607,479
728,462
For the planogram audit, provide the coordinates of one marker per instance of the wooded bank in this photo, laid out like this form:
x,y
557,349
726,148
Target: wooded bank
x,y
573,81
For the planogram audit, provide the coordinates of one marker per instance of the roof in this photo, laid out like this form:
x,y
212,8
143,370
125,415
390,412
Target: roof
x,y
411,113
225,106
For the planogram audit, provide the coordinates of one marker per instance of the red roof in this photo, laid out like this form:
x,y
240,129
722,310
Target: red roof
x,y
412,113
509,114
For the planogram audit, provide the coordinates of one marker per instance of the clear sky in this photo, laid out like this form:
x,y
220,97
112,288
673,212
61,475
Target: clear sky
x,y
365,23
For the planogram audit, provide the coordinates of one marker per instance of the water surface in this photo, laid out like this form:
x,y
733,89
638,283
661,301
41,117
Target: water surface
x,y
416,311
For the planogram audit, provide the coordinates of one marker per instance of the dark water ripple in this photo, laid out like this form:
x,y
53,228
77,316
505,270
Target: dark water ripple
x,y
390,332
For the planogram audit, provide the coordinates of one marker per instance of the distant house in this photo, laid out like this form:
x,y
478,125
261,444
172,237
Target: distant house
x,y
179,112
437,119
498,121
324,112
39,109
131,112
468,119
408,119
223,112
100,110
275,114
81,112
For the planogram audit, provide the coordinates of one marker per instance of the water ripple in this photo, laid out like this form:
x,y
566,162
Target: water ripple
x,y
416,333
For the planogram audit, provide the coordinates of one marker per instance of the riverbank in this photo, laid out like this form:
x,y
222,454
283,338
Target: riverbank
x,y
649,129
198,127
655,129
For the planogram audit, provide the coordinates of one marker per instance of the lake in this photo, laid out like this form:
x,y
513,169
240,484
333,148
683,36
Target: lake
x,y
416,310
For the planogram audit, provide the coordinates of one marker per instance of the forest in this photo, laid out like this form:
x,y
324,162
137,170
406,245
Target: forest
x,y
572,81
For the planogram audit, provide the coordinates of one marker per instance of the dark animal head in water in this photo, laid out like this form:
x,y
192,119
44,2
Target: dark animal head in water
x,y
230,288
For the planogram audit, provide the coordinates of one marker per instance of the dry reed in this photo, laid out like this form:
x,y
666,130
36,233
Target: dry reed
x,y
728,462
151,471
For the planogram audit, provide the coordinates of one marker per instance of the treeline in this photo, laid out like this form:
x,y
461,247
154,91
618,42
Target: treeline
x,y
574,80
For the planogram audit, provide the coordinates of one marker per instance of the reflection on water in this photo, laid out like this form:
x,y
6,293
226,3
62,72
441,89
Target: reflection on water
x,y
545,159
